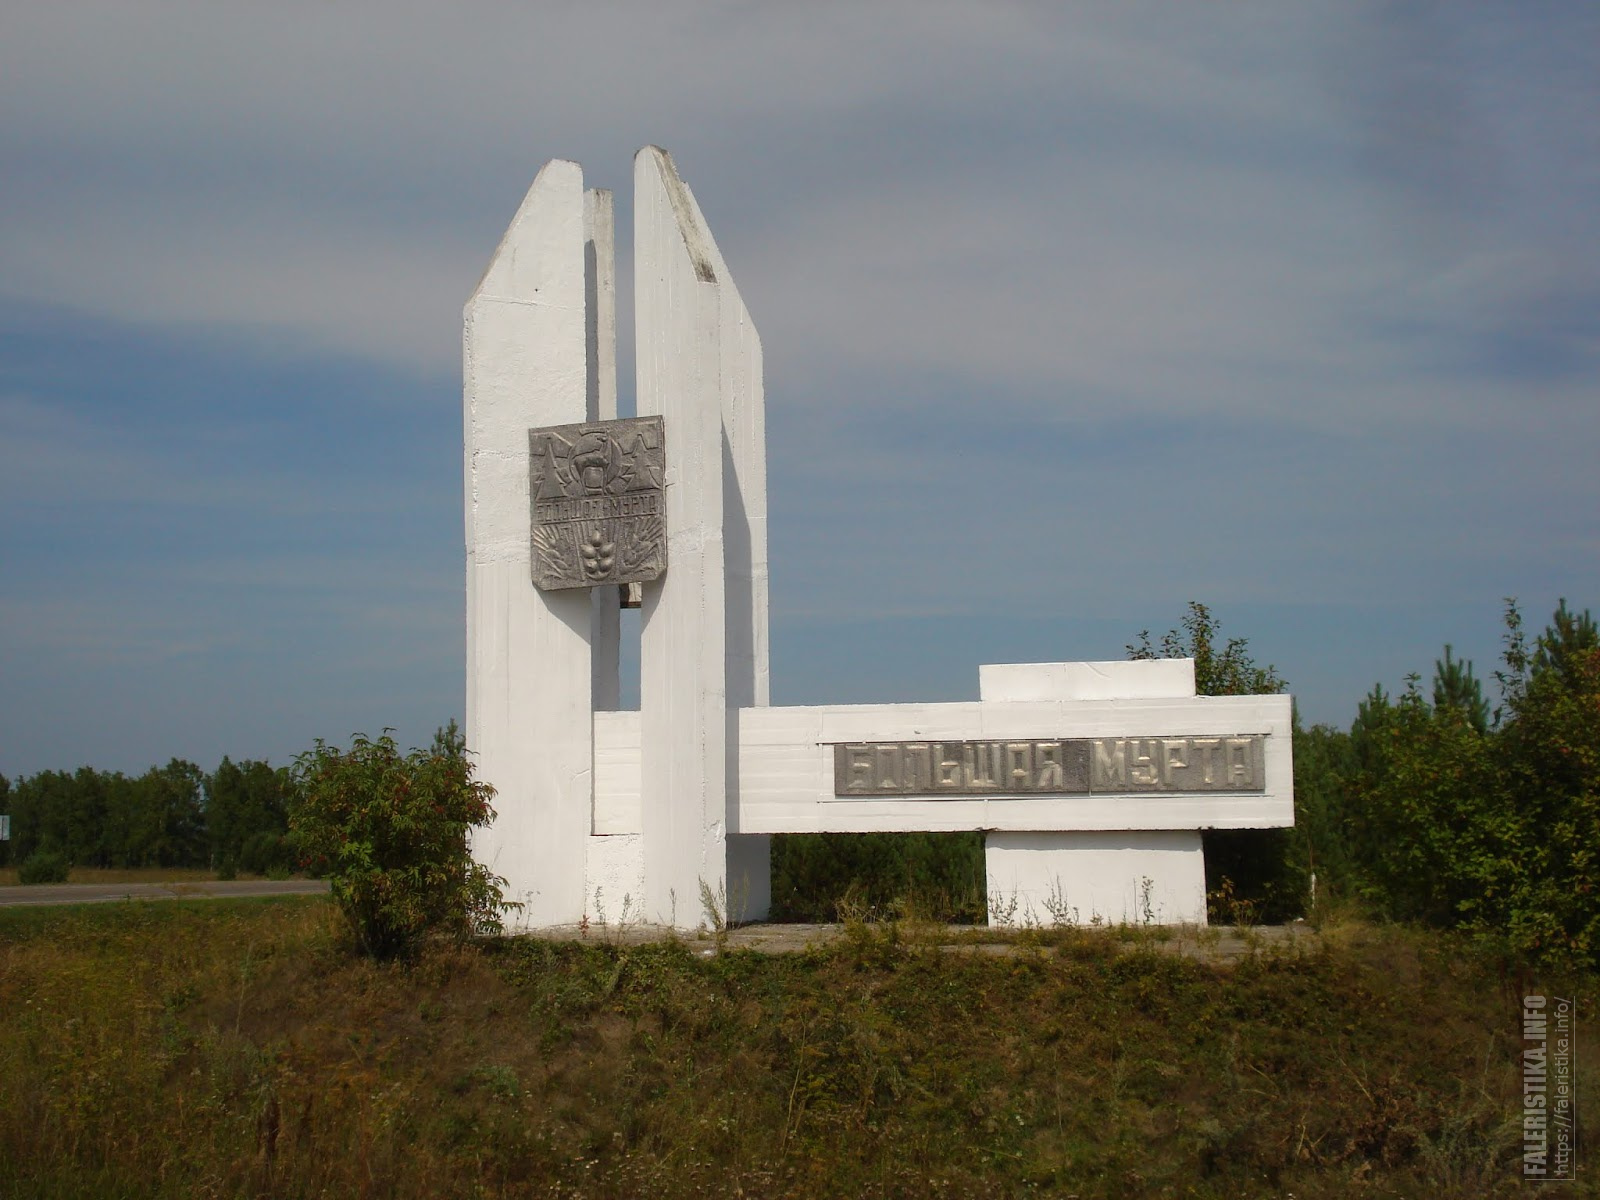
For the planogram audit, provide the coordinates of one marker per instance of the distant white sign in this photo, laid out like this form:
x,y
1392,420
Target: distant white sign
x,y
5,828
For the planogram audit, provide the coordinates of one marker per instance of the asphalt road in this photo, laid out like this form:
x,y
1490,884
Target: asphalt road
x,y
95,893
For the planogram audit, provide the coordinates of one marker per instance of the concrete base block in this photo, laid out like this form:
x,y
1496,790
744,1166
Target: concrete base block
x,y
1118,877
614,879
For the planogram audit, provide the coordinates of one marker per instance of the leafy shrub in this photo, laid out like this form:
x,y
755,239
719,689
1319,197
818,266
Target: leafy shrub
x,y
1231,671
43,866
390,830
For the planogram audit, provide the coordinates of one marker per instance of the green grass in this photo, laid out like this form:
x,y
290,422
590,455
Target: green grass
x,y
235,1048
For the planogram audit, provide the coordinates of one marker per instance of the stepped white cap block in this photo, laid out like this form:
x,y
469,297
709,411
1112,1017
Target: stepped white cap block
x,y
1143,679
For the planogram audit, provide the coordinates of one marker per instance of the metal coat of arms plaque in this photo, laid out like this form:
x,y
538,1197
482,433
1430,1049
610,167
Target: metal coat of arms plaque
x,y
599,505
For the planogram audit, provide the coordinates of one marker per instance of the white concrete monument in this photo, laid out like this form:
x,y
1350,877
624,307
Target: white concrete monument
x,y
1091,780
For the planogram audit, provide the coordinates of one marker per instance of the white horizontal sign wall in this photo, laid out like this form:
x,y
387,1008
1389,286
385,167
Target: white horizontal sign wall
x,y
787,780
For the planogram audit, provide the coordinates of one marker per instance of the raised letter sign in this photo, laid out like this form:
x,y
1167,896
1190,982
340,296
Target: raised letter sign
x,y
1071,767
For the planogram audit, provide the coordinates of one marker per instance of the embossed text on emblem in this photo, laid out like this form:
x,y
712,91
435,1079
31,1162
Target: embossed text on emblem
x,y
597,492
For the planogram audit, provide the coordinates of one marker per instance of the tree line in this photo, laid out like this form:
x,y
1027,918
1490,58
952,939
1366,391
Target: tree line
x,y
1435,806
233,819
1432,806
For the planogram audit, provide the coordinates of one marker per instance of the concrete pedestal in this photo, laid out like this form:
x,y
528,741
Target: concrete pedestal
x,y
1119,877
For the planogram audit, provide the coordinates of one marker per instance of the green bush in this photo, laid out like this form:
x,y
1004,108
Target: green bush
x,y
390,831
43,866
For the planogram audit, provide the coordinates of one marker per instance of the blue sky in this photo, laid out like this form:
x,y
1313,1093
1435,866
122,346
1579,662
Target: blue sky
x,y
1071,315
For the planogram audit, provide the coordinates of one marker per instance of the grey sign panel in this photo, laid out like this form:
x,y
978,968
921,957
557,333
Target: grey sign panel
x,y
599,505
1050,767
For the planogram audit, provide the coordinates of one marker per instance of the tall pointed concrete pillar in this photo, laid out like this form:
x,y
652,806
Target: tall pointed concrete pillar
x,y
529,720
704,646
683,699
744,552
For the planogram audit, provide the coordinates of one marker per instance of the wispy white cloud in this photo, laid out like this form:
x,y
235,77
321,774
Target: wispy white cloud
x,y
181,163
1134,203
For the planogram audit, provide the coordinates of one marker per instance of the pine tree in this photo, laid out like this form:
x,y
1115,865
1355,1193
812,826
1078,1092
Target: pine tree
x,y
1568,635
1456,689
